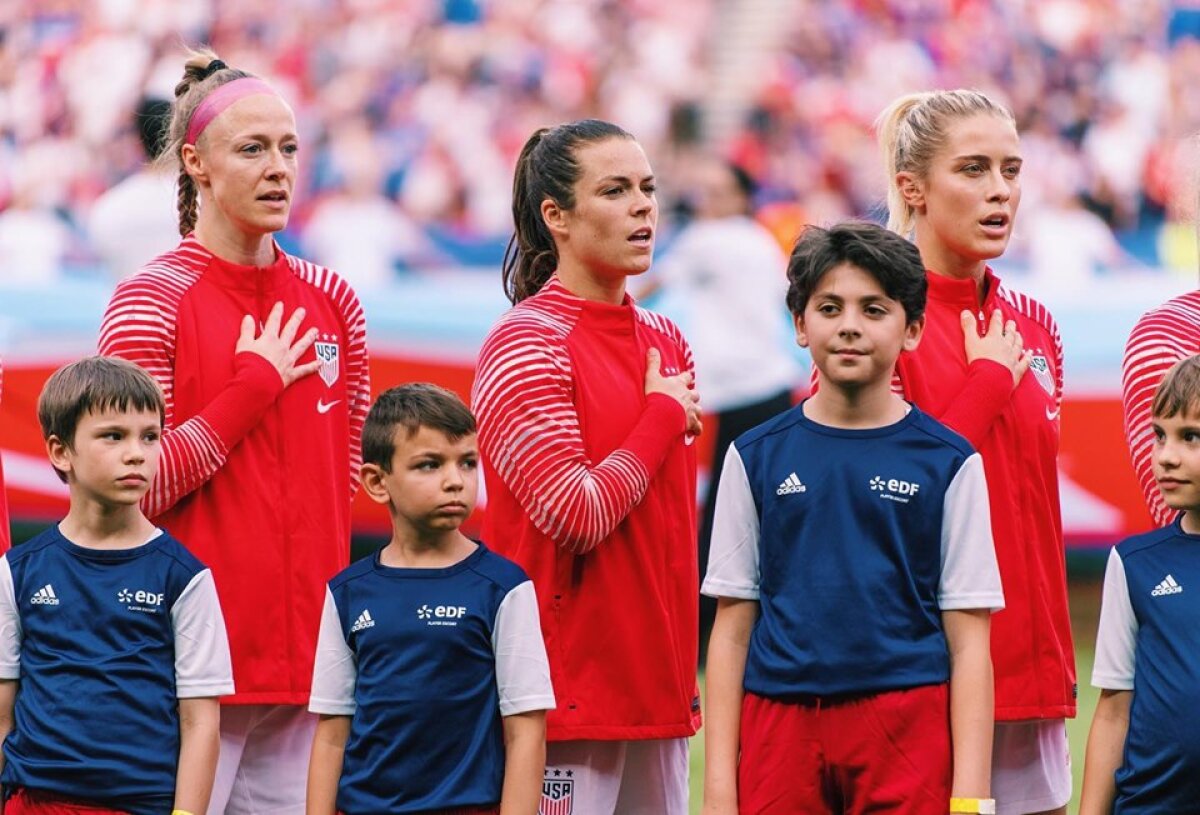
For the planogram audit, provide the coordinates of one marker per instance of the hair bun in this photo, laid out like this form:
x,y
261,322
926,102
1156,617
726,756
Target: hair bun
x,y
212,68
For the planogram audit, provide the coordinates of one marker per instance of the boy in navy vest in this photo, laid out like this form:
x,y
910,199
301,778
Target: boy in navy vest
x,y
1143,752
852,559
431,676
112,646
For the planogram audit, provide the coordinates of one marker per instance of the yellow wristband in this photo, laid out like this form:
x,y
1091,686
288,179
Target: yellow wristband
x,y
973,806
180,812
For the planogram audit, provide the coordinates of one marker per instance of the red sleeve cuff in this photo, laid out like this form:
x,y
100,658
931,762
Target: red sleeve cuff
x,y
666,411
990,379
663,421
239,407
989,387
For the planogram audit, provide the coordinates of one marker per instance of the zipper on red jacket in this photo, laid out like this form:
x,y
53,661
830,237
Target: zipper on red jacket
x,y
260,299
294,682
568,701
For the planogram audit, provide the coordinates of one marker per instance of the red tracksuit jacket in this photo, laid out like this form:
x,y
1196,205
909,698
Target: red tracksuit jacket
x,y
1016,431
254,479
592,489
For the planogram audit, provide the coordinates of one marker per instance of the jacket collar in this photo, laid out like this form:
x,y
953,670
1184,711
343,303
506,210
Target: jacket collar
x,y
598,316
244,278
961,292
555,285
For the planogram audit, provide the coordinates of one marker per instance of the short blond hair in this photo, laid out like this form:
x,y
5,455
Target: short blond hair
x,y
1179,391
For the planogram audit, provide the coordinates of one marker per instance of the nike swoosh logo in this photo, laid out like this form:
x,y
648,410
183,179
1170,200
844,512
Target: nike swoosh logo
x,y
324,408
1053,414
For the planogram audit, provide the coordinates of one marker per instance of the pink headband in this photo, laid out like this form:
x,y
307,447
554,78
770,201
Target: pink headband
x,y
215,103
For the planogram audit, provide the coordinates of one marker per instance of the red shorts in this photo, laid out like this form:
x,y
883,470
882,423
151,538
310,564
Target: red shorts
x,y
888,752
32,802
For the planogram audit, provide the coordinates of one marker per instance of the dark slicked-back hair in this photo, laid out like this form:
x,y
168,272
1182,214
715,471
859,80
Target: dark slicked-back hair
x,y
548,167
892,260
412,406
94,385
1179,392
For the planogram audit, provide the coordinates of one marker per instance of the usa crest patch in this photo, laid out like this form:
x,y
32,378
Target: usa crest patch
x,y
1039,366
558,796
328,361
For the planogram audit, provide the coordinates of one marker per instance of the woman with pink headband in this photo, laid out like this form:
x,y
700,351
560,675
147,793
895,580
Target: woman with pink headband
x,y
262,359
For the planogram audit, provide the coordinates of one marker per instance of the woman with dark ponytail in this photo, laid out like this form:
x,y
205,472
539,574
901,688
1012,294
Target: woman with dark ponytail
x,y
586,416
260,457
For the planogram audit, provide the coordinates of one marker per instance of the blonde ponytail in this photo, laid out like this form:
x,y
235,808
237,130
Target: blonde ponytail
x,y
912,130
888,127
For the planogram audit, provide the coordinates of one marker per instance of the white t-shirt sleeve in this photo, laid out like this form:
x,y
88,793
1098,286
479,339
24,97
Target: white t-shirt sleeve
x,y
10,625
522,669
1116,637
733,557
335,671
202,662
970,575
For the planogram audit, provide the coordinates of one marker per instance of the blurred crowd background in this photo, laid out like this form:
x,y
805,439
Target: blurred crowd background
x,y
412,112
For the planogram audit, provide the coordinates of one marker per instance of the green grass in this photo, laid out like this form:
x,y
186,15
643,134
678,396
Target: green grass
x,y
1085,608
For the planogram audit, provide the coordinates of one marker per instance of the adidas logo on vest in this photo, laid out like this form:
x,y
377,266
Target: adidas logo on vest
x,y
364,621
791,485
44,596
1167,586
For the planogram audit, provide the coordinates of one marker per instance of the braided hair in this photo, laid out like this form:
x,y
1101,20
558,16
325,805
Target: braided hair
x,y
203,72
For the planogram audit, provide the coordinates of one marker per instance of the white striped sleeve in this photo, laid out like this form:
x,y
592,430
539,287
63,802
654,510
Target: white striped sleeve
x,y
202,661
1161,338
1116,636
140,325
5,533
10,625
529,433
970,575
358,382
335,671
358,375
733,561
522,668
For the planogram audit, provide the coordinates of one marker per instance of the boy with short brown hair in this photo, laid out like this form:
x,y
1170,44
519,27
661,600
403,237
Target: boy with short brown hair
x,y
112,645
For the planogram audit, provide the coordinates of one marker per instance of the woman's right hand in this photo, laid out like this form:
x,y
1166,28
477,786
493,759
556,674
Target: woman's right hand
x,y
680,387
1001,343
279,346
